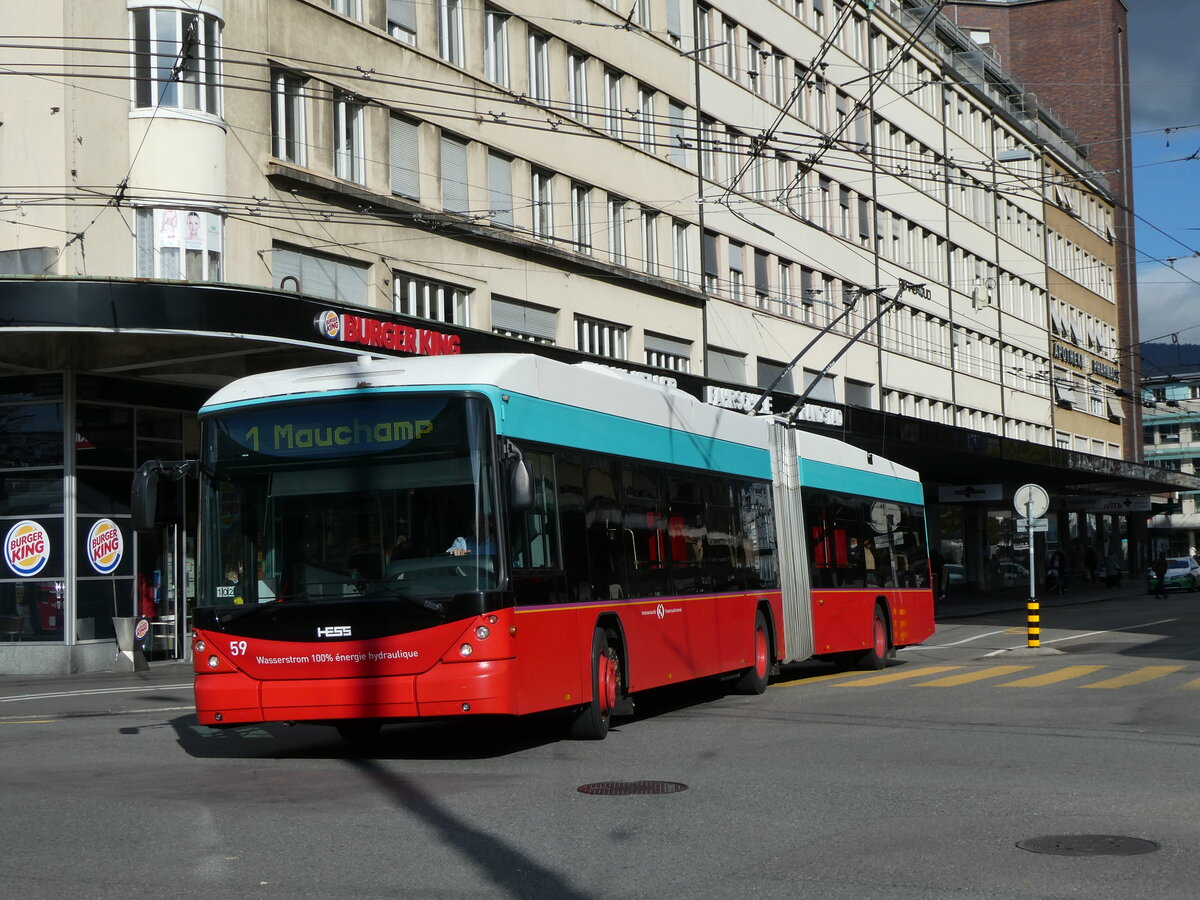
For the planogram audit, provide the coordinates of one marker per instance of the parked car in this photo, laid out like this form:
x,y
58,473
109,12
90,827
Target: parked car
x,y
1013,574
1183,574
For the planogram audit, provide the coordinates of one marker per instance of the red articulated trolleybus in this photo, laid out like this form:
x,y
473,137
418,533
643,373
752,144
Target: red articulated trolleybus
x,y
450,536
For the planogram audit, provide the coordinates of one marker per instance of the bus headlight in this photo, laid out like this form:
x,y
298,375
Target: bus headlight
x,y
482,632
200,648
466,650
213,662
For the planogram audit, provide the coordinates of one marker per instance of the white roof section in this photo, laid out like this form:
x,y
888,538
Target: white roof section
x,y
586,385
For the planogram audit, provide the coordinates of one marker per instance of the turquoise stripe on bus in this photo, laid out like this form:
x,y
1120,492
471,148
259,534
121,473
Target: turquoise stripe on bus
x,y
814,473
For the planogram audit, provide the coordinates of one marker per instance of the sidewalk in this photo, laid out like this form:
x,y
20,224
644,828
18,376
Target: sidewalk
x,y
963,603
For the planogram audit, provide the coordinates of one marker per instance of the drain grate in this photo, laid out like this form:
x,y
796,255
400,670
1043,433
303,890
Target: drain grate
x,y
1088,845
624,788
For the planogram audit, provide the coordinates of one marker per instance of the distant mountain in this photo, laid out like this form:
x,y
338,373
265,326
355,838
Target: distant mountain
x,y
1169,359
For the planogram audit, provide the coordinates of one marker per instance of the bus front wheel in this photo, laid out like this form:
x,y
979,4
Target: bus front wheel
x,y
591,722
754,679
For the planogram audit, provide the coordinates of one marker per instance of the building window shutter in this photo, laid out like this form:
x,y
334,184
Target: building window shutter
x,y
403,156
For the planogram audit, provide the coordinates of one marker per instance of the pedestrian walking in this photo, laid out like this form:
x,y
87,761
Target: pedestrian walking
x,y
1160,573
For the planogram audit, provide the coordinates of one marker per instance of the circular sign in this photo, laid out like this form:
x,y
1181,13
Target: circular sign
x,y
1031,500
105,546
27,548
329,324
141,629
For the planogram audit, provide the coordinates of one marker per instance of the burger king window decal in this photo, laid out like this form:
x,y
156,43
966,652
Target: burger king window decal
x,y
105,546
27,548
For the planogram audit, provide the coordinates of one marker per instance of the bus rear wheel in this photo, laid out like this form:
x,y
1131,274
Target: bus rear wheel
x,y
754,679
876,656
591,722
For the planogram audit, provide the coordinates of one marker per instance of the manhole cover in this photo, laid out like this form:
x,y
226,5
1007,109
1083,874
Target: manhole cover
x,y
620,788
1088,845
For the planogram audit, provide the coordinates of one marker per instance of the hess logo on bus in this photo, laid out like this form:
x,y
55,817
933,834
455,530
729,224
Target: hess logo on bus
x,y
332,631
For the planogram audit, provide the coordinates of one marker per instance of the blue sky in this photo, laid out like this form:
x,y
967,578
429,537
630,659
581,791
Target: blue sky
x,y
1164,49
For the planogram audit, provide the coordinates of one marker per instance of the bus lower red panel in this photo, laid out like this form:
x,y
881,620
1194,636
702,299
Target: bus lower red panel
x,y
842,618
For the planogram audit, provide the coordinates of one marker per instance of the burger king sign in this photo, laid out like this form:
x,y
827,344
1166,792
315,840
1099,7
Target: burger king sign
x,y
105,546
27,548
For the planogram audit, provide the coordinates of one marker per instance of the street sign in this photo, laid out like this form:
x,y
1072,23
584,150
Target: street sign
x,y
1031,500
956,493
1038,525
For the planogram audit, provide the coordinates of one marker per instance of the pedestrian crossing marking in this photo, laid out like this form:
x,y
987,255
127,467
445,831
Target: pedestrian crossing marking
x,y
1193,685
900,675
968,677
815,679
1058,675
1138,676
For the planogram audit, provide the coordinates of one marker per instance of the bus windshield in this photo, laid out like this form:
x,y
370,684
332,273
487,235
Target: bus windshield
x,y
383,496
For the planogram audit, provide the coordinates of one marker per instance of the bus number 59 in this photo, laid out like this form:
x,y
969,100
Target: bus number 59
x,y
237,648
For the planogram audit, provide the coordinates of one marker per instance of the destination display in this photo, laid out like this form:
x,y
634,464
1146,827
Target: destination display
x,y
339,429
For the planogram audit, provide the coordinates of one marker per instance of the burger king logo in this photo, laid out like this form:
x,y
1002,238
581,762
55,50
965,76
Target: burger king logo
x,y
27,548
105,547
329,324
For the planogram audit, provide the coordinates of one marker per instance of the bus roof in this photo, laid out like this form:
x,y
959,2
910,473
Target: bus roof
x,y
591,386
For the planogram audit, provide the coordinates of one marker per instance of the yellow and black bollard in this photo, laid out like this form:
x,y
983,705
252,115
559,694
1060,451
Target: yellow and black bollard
x,y
1033,619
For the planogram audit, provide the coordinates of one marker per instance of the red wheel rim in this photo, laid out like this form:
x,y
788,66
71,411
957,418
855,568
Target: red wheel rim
x,y
606,681
761,652
880,638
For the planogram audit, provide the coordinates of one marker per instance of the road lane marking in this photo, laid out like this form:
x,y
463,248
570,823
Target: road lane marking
x,y
1058,675
97,691
953,643
1138,676
815,679
30,722
1076,637
871,680
967,678
1193,685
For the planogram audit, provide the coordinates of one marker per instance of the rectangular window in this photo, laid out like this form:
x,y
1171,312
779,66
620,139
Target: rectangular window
x,y
646,116
612,102
454,174
650,241
500,201
726,366
676,115
543,203
179,244
762,279
351,8
601,338
668,353
403,157
708,148
736,276
708,262
423,298
318,275
450,31
581,217
616,231
682,250
784,289
288,127
527,321
348,138
177,60
495,47
539,66
402,20
577,94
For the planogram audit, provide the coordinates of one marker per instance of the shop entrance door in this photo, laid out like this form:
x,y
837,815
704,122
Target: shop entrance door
x,y
164,578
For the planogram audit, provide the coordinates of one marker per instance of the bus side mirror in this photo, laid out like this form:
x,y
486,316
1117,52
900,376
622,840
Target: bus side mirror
x,y
143,500
520,486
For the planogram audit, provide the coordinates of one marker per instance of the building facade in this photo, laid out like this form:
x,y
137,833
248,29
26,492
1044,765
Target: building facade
x,y
852,203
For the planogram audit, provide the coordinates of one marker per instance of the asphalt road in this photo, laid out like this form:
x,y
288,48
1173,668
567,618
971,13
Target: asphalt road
x,y
914,782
